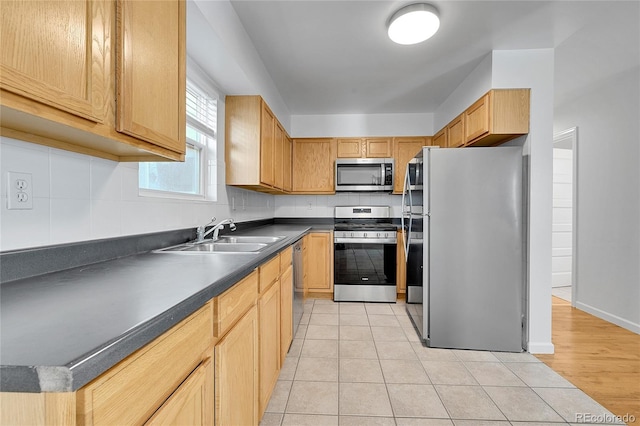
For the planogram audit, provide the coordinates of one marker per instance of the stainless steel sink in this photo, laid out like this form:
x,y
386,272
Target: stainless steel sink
x,y
224,245
232,239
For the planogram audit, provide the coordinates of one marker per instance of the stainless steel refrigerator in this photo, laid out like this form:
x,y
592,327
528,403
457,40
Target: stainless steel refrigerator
x,y
464,245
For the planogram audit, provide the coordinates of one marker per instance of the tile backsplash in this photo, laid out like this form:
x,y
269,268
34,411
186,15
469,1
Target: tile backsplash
x,y
322,205
78,198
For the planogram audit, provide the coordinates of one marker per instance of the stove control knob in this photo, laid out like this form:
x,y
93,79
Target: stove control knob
x,y
352,235
378,235
365,235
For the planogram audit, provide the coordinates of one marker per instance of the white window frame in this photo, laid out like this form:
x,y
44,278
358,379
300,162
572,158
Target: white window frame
x,y
201,82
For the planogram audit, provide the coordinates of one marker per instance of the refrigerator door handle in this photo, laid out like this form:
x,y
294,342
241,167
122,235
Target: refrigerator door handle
x,y
406,213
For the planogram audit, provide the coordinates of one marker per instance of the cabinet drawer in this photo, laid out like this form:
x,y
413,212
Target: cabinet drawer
x,y
233,303
285,259
269,272
133,390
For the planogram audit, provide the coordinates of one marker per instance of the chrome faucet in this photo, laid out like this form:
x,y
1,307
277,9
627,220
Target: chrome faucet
x,y
201,234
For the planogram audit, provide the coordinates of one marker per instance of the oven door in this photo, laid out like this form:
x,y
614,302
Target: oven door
x,y
364,271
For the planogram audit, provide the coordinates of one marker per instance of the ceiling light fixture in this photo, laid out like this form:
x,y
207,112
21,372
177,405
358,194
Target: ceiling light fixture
x,y
413,23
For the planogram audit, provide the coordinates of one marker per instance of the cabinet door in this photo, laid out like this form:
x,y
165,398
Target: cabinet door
x,y
236,378
191,403
404,150
151,72
286,312
476,119
56,53
455,132
320,266
269,343
267,146
313,165
440,138
286,164
279,157
349,148
378,147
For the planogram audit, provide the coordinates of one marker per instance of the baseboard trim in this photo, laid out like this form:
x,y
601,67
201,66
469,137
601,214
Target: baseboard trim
x,y
541,348
621,322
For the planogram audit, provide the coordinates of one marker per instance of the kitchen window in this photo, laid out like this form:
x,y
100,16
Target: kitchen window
x,y
191,178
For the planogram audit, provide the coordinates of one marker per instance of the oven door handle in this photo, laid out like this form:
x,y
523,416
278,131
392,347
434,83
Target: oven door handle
x,y
393,240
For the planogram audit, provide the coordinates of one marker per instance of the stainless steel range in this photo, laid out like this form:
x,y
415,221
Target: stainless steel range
x,y
364,254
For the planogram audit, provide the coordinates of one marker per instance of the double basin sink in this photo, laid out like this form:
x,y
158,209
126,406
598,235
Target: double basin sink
x,y
224,244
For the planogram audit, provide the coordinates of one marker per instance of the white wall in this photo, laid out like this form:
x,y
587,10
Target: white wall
x,y
356,125
608,202
79,198
562,237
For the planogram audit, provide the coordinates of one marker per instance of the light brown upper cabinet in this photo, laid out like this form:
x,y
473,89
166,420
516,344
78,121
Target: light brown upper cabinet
x,y
74,77
498,116
256,145
313,165
404,149
440,138
364,147
455,132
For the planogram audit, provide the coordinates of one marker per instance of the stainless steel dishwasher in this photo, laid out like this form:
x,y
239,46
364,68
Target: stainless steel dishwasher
x,y
298,289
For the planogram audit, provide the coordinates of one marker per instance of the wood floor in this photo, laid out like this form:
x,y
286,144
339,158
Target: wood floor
x,y
600,358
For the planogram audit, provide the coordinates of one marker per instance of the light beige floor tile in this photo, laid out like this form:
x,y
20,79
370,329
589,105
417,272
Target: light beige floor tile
x,y
354,319
538,375
522,404
383,321
405,322
317,369
313,398
296,347
417,421
364,349
416,401
448,373
412,334
279,397
360,370
319,349
484,423
288,370
473,356
322,332
468,402
573,404
352,308
544,424
309,420
395,350
515,357
366,421
355,332
364,399
493,374
388,334
404,371
399,308
425,353
271,419
325,309
304,319
378,309
302,331
323,319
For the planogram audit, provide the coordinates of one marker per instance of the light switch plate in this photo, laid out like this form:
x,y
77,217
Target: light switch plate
x,y
19,191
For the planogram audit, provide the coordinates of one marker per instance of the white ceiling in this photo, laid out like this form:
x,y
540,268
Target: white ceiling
x,y
334,57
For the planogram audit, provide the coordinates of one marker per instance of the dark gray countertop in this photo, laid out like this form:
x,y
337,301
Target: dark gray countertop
x,y
61,330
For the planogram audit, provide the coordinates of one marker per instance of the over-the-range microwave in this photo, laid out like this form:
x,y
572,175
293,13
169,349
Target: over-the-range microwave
x,y
364,174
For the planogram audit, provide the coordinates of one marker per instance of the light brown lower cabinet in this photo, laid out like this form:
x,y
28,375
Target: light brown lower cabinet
x,y
269,338
236,373
286,312
190,403
318,263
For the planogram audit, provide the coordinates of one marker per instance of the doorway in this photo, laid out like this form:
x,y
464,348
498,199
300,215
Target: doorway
x,y
564,214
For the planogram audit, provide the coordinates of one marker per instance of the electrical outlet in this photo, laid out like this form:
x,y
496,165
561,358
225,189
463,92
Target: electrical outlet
x,y
19,191
309,206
